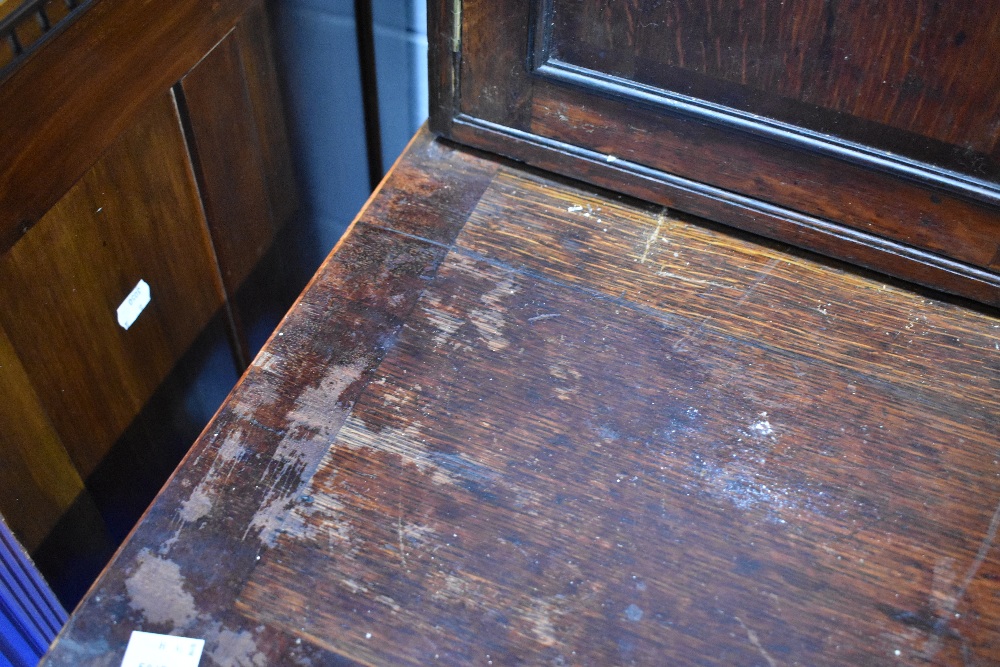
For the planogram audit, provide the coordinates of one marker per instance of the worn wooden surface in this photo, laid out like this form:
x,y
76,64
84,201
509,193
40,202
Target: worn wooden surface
x,y
515,420
718,109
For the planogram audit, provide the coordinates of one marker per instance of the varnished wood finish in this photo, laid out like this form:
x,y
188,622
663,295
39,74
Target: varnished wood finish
x,y
62,283
517,420
910,77
26,24
883,176
65,105
38,482
253,35
231,173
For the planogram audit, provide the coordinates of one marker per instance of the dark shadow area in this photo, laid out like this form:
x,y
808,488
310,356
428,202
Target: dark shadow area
x,y
129,477
278,279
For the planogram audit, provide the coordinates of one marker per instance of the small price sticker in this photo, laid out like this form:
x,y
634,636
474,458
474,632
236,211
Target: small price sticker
x,y
133,305
146,649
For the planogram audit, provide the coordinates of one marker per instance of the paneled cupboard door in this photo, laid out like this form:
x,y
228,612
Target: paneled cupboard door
x,y
867,131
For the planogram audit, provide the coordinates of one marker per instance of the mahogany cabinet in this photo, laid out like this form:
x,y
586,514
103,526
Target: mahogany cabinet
x,y
138,143
867,131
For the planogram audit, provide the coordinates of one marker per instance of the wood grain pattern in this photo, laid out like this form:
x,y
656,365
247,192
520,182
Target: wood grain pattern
x,y
875,203
253,34
922,68
56,126
551,457
127,403
134,215
531,422
498,80
664,262
731,208
442,63
345,320
231,172
38,482
903,209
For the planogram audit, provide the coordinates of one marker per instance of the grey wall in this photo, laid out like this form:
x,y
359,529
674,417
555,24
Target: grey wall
x,y
318,60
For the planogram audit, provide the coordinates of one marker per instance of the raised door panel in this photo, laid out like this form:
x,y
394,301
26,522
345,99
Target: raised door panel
x,y
240,150
914,78
135,215
823,124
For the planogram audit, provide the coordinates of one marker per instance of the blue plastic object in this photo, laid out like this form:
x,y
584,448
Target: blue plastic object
x,y
30,615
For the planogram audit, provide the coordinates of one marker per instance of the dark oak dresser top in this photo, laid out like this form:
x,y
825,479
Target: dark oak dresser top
x,y
519,420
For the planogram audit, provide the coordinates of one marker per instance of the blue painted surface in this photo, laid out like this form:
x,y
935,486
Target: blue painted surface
x,y
322,79
30,616
401,65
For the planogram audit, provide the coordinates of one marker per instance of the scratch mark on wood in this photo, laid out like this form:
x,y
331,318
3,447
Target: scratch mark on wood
x,y
688,279
755,640
399,532
984,548
653,237
758,281
691,334
947,611
539,318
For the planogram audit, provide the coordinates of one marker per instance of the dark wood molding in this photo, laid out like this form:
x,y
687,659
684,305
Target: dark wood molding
x,y
444,38
776,222
630,92
30,25
892,212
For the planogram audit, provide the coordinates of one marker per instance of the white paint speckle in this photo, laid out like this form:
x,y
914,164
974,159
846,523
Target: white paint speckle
x,y
762,427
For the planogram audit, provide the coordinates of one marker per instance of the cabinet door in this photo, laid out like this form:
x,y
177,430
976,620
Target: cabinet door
x,y
864,130
240,150
134,216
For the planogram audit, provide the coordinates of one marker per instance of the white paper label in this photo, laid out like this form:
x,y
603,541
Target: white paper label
x,y
146,649
133,305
